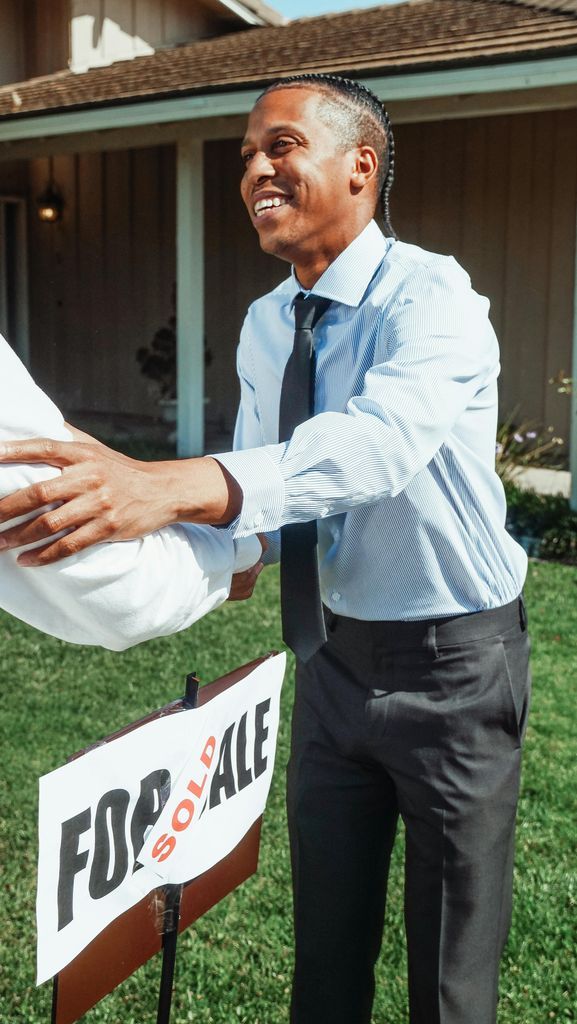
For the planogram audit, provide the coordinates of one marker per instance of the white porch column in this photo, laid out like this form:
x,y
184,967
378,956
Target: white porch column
x,y
190,297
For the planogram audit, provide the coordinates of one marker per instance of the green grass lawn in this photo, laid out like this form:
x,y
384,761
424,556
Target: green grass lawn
x,y
235,964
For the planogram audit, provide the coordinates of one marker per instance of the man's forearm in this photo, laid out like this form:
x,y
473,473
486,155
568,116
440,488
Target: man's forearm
x,y
197,490
102,495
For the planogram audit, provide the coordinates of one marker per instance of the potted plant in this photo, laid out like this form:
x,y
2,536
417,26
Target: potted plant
x,y
158,363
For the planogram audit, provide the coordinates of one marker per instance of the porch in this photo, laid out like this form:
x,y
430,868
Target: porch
x,y
150,198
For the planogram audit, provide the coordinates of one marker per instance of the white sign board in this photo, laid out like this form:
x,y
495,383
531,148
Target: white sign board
x,y
160,805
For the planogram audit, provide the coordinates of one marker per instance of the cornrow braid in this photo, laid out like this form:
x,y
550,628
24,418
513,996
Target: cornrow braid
x,y
389,176
372,127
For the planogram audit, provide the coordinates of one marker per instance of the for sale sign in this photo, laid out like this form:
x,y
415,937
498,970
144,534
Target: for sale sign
x,y
160,805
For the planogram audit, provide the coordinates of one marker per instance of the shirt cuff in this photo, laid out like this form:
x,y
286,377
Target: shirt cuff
x,y
247,552
263,490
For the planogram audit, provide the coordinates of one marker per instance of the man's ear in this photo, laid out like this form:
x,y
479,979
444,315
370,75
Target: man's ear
x,y
365,167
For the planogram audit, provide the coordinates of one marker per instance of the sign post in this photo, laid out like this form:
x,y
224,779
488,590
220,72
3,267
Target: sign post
x,y
172,901
173,895
158,818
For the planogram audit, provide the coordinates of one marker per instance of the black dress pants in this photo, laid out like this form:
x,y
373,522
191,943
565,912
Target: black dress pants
x,y
425,721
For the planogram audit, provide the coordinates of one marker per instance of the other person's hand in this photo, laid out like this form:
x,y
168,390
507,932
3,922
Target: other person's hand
x,y
243,583
102,495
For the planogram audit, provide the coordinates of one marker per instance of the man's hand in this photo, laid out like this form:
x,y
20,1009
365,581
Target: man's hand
x,y
103,496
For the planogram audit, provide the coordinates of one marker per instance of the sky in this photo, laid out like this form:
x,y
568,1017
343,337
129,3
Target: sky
x,y
308,8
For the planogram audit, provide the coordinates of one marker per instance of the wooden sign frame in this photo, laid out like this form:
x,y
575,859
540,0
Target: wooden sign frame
x,y
154,923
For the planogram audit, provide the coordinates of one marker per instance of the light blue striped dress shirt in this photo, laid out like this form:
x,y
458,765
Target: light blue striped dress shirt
x,y
398,462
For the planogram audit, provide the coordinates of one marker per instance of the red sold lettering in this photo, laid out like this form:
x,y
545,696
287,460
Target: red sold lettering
x,y
208,752
184,812
195,789
163,847
178,822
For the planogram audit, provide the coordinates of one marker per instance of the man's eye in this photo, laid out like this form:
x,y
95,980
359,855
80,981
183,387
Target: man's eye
x,y
246,158
281,144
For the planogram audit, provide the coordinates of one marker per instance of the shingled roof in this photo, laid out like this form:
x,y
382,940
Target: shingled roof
x,y
413,36
551,5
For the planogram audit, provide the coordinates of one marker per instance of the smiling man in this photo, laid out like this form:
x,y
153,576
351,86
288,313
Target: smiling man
x,y
367,423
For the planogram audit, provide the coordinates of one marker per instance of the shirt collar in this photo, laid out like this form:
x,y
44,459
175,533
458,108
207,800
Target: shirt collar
x,y
346,279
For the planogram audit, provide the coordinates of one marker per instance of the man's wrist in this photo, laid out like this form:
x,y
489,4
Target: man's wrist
x,y
196,490
262,485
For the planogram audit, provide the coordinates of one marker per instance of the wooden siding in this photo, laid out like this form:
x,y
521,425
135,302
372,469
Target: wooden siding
x,y
33,39
101,280
498,193
104,31
237,272
46,37
14,178
38,38
12,59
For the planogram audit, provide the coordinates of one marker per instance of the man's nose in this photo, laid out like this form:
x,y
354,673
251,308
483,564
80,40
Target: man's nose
x,y
260,167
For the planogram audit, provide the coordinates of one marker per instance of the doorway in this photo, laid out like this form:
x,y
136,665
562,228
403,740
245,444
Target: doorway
x,y
14,275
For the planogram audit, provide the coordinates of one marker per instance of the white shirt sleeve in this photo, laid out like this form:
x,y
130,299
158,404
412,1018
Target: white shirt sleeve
x,y
113,595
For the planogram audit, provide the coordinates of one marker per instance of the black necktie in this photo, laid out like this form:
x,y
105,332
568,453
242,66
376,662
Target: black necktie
x,y
302,616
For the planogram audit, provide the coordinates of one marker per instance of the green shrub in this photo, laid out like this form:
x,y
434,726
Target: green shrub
x,y
546,517
559,544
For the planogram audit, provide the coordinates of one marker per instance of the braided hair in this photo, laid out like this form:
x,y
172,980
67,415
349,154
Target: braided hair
x,y
358,117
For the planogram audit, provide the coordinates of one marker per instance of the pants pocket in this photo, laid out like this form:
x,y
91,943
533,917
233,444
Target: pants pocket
x,y
516,650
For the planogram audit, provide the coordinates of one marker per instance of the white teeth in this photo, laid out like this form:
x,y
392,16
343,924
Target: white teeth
x,y
267,204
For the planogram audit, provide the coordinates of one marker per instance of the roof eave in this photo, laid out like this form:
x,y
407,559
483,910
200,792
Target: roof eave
x,y
254,12
391,83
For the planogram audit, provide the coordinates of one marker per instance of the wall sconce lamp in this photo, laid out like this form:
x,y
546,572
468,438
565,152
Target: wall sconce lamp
x,y
50,204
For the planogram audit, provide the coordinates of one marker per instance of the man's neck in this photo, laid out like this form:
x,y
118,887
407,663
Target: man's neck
x,y
310,267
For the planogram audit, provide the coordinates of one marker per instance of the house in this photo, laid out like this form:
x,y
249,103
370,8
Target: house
x,y
137,123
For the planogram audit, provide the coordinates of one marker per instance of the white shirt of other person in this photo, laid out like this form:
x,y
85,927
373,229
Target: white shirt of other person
x,y
112,595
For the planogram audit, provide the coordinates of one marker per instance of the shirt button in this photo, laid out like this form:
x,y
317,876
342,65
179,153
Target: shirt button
x,y
258,519
335,595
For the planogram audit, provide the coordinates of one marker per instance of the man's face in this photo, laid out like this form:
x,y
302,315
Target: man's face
x,y
297,179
